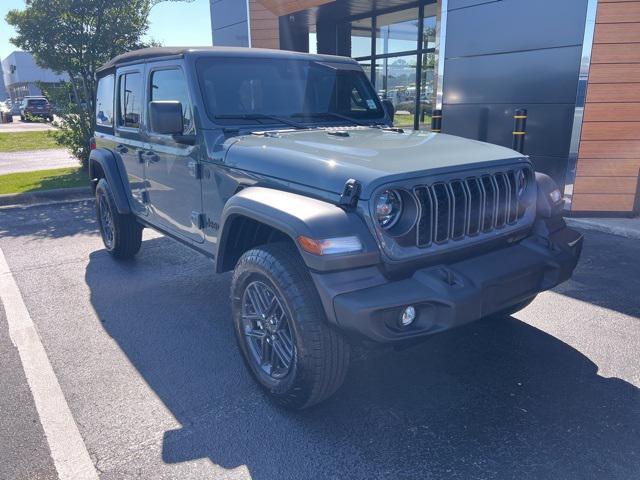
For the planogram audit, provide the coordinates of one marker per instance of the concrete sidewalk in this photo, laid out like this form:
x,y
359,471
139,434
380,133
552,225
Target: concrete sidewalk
x,y
32,160
624,227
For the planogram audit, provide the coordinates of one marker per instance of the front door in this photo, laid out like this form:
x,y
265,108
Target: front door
x,y
171,166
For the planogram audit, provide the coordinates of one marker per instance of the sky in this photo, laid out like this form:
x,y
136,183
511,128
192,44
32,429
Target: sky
x,y
172,24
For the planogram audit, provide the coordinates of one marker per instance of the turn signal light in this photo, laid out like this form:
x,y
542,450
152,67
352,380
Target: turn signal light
x,y
330,246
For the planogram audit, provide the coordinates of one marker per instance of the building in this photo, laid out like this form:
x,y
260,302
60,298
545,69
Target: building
x,y
22,76
3,91
573,64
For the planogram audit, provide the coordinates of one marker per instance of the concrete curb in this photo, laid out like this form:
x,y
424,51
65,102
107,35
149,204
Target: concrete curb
x,y
43,196
623,227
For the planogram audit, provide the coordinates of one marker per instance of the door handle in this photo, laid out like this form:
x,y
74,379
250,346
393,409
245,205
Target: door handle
x,y
151,157
121,149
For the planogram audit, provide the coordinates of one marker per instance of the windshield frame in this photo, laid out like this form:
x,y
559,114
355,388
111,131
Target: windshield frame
x,y
309,122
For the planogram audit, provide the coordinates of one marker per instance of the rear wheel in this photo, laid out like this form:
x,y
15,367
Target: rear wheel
x,y
121,233
281,328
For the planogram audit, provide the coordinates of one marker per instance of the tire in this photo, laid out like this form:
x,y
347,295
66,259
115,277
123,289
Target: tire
x,y
121,233
319,355
514,308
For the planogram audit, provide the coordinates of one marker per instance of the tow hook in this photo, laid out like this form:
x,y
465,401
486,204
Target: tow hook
x,y
350,194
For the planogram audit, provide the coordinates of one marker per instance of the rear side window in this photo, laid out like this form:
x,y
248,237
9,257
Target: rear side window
x,y
130,100
104,101
170,85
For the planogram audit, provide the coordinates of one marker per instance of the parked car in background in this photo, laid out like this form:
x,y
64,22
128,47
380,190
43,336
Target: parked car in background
x,y
286,169
36,107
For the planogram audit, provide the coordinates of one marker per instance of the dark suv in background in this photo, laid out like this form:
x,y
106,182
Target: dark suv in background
x,y
35,107
285,168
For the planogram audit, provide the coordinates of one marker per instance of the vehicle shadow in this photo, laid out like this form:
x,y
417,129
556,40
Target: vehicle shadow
x,y
49,221
495,399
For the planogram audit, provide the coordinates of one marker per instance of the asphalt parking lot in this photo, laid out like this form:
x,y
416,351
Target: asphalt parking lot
x,y
145,355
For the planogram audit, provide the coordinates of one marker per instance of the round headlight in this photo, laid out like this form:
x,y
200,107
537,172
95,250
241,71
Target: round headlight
x,y
388,208
521,182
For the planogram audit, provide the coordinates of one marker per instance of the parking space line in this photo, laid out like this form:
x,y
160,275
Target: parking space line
x,y
68,451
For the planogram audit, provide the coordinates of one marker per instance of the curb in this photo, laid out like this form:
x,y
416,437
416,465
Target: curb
x,y
629,228
42,196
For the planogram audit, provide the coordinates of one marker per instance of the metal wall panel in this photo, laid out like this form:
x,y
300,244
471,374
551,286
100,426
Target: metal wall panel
x,y
519,25
494,123
227,12
454,4
232,36
229,23
537,76
510,54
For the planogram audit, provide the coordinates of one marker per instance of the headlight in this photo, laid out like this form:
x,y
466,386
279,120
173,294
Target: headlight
x,y
388,208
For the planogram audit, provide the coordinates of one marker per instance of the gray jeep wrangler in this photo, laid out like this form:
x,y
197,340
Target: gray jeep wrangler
x,y
285,169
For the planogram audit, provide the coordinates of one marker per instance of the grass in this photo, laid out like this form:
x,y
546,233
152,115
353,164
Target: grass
x,y
21,141
406,121
43,180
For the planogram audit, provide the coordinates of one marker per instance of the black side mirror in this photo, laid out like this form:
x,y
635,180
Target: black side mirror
x,y
165,117
390,109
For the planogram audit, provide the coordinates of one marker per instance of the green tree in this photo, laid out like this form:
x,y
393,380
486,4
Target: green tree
x,y
77,37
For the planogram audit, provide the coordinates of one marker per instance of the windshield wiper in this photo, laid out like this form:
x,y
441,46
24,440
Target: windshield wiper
x,y
261,116
335,115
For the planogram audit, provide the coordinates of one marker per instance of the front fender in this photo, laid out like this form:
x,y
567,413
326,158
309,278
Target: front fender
x,y
114,172
296,215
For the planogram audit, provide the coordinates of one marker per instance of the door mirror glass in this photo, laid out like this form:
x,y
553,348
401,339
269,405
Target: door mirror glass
x,y
166,117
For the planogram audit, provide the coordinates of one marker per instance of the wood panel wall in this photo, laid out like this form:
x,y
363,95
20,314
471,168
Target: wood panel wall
x,y
264,25
609,155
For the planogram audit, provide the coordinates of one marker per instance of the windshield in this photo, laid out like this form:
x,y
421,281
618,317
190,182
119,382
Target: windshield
x,y
248,90
40,102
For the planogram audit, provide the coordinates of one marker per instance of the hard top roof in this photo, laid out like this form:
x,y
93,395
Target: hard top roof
x,y
157,53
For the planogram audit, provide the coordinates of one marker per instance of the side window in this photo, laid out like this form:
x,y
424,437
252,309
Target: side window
x,y
130,100
104,101
171,85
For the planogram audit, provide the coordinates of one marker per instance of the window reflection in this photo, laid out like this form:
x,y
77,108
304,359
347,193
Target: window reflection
x,y
361,38
393,65
397,32
396,81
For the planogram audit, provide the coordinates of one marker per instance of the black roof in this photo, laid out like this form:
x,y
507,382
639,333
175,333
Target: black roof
x,y
156,53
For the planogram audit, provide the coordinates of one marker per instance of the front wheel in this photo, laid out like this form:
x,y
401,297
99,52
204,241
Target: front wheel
x,y
281,328
121,233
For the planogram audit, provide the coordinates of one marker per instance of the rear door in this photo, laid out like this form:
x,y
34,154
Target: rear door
x,y
172,166
129,142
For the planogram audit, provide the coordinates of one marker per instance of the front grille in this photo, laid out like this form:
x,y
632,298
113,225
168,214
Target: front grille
x,y
466,207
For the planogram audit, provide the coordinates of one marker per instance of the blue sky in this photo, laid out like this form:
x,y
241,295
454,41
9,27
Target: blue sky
x,y
173,24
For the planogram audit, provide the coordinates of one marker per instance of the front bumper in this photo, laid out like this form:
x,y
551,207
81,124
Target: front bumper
x,y
446,296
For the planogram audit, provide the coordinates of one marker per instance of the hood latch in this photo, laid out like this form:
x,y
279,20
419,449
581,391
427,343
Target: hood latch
x,y
350,194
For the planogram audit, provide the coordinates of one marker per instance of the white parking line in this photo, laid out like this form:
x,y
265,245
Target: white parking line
x,y
68,451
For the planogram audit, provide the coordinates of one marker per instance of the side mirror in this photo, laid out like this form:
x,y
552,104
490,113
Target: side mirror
x,y
390,109
165,117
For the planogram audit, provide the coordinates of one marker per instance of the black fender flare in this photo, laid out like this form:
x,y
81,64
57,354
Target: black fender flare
x,y
296,215
115,173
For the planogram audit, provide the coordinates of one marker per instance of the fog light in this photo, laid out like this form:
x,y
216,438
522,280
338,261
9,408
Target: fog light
x,y
408,316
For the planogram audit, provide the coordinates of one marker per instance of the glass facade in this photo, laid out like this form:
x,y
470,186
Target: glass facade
x,y
397,50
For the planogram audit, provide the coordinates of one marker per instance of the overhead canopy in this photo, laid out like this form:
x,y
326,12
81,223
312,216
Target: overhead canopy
x,y
285,7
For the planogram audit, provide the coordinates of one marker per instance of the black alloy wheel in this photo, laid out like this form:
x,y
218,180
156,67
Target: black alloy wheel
x,y
266,329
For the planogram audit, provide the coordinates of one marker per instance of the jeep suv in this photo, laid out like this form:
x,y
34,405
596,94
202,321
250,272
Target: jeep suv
x,y
285,168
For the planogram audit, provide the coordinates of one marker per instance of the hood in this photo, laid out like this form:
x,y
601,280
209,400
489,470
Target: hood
x,y
326,158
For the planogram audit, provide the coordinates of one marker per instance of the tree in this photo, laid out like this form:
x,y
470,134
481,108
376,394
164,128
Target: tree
x,y
77,37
